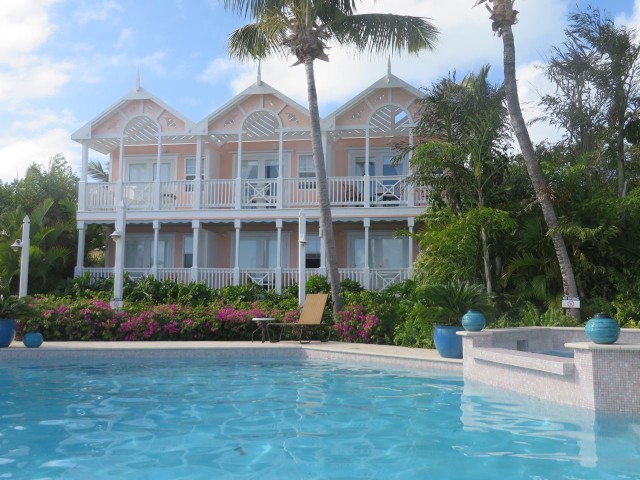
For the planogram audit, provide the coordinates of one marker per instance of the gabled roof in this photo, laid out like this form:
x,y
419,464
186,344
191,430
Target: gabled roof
x,y
261,123
103,132
388,82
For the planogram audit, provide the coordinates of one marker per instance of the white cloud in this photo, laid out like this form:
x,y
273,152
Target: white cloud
x,y
124,37
154,62
36,78
219,70
24,26
95,11
18,153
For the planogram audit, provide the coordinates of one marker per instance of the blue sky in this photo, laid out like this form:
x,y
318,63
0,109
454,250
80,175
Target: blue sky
x,y
63,62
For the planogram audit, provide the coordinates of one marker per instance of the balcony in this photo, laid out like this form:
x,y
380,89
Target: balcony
x,y
387,191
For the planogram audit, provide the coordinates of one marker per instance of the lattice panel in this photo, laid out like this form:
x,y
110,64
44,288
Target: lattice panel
x,y
389,119
142,131
261,125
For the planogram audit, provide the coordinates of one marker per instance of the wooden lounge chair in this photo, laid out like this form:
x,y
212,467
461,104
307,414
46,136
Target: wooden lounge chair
x,y
310,318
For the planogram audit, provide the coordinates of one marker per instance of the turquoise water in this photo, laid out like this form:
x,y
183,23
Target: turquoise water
x,y
290,419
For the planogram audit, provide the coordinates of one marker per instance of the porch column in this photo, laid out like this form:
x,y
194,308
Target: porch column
x,y
323,254
197,182
195,225
411,197
279,256
366,271
367,178
118,236
239,174
156,238
410,224
119,184
79,270
236,267
82,185
302,255
156,183
279,180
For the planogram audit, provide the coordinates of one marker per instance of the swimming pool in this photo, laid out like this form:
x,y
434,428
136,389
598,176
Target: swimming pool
x,y
292,419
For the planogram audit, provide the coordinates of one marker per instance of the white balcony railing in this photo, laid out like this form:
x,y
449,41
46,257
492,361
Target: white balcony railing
x,y
218,278
380,191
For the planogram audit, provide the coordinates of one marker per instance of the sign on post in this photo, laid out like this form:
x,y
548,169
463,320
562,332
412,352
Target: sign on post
x,y
570,302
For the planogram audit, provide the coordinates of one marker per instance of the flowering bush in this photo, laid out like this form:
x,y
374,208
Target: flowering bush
x,y
355,325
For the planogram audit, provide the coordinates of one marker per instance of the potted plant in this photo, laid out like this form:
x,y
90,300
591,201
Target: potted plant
x,y
12,309
444,305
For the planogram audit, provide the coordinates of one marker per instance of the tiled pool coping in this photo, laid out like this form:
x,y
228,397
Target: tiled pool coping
x,y
400,357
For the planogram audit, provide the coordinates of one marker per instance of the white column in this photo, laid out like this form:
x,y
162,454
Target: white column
x,y
279,255
82,185
410,224
239,174
236,267
195,225
197,186
24,256
156,238
323,254
411,197
79,270
156,183
302,255
118,275
367,270
279,181
120,173
367,179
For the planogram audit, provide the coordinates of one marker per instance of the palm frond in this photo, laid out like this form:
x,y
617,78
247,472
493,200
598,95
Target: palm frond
x,y
377,32
258,40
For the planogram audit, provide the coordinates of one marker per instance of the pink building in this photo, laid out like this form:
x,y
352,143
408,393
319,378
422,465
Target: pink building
x,y
219,201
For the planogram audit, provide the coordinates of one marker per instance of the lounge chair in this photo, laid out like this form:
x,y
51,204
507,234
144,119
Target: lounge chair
x,y
310,318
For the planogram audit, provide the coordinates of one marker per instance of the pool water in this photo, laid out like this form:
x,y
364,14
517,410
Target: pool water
x,y
292,419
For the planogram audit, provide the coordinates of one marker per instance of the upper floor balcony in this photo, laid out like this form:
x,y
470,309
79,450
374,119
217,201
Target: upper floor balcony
x,y
238,194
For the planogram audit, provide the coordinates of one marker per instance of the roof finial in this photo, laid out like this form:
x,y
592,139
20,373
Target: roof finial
x,y
138,81
259,80
389,70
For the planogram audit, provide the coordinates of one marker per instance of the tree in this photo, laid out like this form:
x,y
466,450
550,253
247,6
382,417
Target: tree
x,y
462,157
303,29
597,74
504,17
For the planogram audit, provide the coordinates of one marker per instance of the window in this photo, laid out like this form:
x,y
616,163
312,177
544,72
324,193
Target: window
x,y
187,251
306,169
260,250
385,251
312,258
139,251
190,168
146,169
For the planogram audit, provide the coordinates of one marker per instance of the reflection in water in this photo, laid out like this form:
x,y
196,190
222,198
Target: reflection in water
x,y
548,430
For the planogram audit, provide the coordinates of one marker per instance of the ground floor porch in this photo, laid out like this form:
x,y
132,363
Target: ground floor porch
x,y
275,254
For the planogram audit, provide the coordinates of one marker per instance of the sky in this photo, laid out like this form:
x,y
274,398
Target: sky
x,y
64,62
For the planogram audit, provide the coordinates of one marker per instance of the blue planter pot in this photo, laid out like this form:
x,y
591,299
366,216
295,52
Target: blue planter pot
x,y
7,331
602,329
473,321
448,344
33,339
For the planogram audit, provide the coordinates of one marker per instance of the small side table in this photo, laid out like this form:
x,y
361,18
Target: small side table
x,y
262,326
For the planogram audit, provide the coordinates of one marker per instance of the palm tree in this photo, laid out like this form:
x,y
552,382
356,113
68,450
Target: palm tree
x,y
504,17
303,29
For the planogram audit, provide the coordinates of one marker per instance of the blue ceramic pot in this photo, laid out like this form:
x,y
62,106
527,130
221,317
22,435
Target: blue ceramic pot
x,y
33,339
602,329
7,331
448,343
473,321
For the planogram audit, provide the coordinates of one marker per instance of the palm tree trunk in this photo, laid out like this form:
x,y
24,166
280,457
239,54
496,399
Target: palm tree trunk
x,y
326,222
486,260
533,166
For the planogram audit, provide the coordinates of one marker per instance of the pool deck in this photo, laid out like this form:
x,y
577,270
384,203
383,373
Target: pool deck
x,y
401,357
